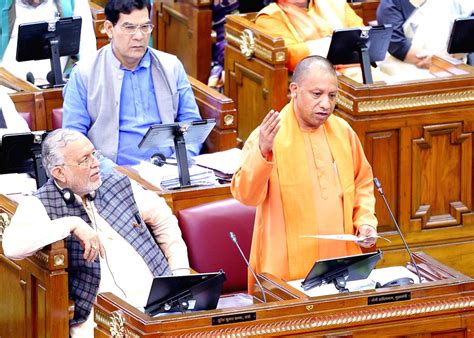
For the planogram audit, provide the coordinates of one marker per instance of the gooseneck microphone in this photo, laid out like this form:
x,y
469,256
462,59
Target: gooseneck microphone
x,y
233,237
378,185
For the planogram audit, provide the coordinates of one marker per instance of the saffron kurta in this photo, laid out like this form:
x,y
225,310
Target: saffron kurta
x,y
329,15
292,189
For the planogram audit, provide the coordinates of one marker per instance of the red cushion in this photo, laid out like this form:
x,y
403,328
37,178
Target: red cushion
x,y
28,118
206,230
57,118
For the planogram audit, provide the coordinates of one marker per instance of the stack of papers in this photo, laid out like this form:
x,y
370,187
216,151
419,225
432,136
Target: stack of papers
x,y
167,176
224,163
17,184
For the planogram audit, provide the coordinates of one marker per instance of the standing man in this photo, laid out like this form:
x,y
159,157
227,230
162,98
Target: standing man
x,y
127,87
307,174
133,230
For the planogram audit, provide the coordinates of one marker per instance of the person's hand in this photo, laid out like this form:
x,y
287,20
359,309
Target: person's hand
x,y
369,234
89,241
268,130
423,59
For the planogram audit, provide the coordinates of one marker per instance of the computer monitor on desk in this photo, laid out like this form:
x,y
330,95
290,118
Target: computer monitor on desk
x,y
364,45
178,135
21,153
49,40
460,40
185,293
341,270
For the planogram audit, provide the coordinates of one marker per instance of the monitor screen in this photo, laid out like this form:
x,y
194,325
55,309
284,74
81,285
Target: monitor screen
x,y
461,38
185,293
349,268
34,38
21,153
346,43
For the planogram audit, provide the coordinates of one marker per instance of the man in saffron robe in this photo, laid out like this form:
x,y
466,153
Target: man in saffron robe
x,y
306,27
306,172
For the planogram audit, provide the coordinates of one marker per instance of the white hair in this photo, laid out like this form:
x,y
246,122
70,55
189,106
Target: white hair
x,y
52,151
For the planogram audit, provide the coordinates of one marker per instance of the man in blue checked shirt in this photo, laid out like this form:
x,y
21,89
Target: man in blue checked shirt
x,y
115,96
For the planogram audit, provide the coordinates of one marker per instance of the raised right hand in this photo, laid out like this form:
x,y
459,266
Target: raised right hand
x,y
89,241
268,131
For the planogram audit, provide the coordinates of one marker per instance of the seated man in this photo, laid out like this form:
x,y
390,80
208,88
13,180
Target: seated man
x,y
421,28
128,87
96,215
14,13
10,120
306,172
306,31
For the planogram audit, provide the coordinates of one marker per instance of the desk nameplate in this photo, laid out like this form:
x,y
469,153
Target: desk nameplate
x,y
237,318
394,297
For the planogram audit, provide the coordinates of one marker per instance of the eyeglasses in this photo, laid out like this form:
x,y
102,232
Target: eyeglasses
x,y
133,29
86,161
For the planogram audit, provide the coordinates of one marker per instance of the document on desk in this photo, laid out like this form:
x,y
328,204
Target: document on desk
x,y
226,162
343,237
167,175
17,184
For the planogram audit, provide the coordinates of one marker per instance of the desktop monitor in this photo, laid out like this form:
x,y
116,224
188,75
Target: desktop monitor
x,y
185,293
49,40
341,270
21,153
178,135
364,45
461,38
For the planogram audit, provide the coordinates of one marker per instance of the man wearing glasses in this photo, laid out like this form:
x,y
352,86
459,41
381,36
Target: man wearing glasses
x,y
118,236
114,98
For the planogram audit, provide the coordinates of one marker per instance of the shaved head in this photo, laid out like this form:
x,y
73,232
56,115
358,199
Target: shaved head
x,y
303,67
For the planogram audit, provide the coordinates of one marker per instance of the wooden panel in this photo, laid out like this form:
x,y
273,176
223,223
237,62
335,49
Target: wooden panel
x,y
439,307
257,82
13,309
382,151
98,19
366,10
183,28
439,191
34,298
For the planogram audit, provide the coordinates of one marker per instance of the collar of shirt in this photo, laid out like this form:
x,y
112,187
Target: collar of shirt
x,y
144,63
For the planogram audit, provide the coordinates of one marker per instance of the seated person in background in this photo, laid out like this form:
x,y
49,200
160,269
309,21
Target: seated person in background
x,y
128,87
421,28
16,12
10,120
104,221
306,172
306,31
220,9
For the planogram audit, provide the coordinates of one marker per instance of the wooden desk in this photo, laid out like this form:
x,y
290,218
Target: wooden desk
x,y
34,299
418,137
182,198
442,307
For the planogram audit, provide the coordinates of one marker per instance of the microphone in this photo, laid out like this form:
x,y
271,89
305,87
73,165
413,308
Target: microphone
x,y
233,237
160,160
378,185
30,77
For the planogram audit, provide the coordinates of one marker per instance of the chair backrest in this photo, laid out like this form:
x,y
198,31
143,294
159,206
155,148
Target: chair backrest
x,y
206,230
57,118
28,118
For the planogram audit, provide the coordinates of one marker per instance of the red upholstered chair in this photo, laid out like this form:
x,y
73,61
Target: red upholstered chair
x,y
28,118
57,117
206,230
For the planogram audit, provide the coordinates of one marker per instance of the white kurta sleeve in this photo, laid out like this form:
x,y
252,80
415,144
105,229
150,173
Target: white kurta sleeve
x,y
31,229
